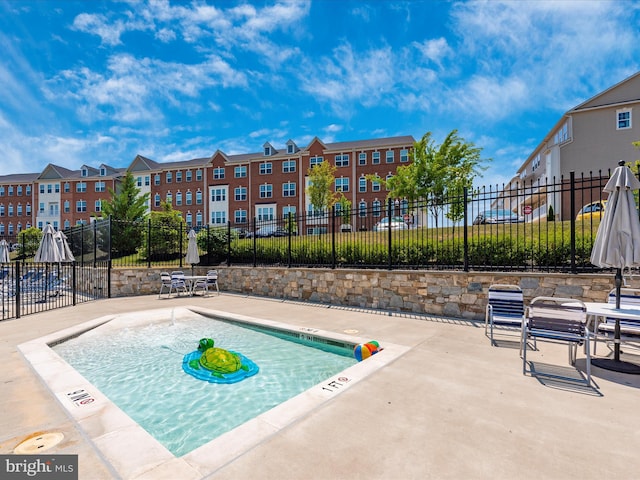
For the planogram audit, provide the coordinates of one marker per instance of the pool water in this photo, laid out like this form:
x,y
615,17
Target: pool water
x,y
140,369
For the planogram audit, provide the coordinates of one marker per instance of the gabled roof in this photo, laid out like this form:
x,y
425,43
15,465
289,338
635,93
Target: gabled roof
x,y
16,178
618,93
53,172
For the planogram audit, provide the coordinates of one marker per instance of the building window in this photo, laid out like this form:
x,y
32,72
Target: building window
x,y
19,190
139,181
188,175
313,161
28,209
266,168
156,179
362,209
362,158
265,214
40,208
19,209
342,184
10,191
189,219
147,180
240,172
85,172
362,184
168,177
49,188
289,209
2,192
388,177
81,206
198,197
376,207
198,176
218,218
199,219
100,187
156,200
624,119
67,224
375,186
81,187
41,189
290,148
103,172
169,198
28,192
267,151
66,206
189,198
218,173
240,194
342,160
375,158
289,189
266,190
240,216
288,166
390,156
178,198
404,155
98,205
179,176
218,194
11,209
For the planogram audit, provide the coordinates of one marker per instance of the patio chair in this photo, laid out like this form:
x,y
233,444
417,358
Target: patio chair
x,y
166,284
208,283
505,308
557,320
603,328
178,282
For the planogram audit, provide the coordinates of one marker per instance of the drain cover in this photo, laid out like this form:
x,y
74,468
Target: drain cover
x,y
38,442
351,330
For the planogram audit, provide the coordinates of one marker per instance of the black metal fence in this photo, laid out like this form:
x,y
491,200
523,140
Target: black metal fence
x,y
29,287
536,226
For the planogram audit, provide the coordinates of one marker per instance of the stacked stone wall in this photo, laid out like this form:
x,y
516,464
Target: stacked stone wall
x,y
450,294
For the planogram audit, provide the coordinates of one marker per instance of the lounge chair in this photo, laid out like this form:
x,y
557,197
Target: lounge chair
x,y
558,320
505,308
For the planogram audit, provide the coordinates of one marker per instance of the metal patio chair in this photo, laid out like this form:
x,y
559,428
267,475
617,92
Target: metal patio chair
x,y
505,308
557,320
208,283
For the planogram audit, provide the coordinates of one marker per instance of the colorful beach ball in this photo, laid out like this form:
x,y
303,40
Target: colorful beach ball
x,y
365,350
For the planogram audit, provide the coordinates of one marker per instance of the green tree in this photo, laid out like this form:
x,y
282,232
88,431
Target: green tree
x,y
438,174
344,209
126,208
29,240
320,189
167,234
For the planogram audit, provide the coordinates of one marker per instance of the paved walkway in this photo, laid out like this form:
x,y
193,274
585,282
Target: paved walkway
x,y
451,407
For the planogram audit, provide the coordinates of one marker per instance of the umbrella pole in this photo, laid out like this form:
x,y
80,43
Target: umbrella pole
x,y
616,332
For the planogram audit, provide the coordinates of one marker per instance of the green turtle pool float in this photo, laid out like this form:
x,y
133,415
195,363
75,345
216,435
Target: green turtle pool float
x,y
217,365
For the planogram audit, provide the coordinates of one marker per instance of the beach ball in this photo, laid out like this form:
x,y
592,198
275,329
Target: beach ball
x,y
373,346
361,352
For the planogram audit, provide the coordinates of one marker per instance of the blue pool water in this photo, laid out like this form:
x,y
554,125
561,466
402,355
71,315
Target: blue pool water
x,y
140,370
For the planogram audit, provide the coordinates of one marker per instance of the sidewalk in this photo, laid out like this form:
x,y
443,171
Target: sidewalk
x,y
451,407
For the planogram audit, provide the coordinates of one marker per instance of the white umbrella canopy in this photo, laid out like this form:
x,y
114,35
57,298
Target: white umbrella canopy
x,y
193,256
63,246
48,250
4,251
617,244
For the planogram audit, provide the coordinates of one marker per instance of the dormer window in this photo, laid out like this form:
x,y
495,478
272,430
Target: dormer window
x,y
103,172
267,151
84,172
290,148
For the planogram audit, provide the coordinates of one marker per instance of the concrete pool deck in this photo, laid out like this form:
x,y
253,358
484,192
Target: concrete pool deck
x,y
451,407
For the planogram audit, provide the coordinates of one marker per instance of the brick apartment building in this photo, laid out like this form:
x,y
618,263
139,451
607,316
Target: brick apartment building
x,y
207,191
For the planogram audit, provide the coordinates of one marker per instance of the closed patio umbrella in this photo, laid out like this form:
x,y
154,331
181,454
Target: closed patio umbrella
x,y
63,246
4,251
48,250
193,257
617,245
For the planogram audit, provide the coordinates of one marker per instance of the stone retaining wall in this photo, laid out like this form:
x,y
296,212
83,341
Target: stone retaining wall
x,y
450,294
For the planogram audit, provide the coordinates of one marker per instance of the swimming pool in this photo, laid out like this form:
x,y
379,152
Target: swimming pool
x,y
130,450
140,370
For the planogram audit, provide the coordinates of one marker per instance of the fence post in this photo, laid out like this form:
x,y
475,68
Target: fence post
x,y
465,228
228,243
74,284
149,243
180,237
16,278
332,212
254,243
572,212
82,243
95,243
389,214
290,232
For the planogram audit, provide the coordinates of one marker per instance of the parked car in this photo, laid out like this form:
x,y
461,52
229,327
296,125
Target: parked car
x,y
270,231
592,211
397,223
497,216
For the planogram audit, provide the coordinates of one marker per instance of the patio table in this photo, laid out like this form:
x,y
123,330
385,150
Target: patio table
x,y
192,280
609,310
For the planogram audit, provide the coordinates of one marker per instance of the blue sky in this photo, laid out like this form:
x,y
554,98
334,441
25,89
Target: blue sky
x,y
100,82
